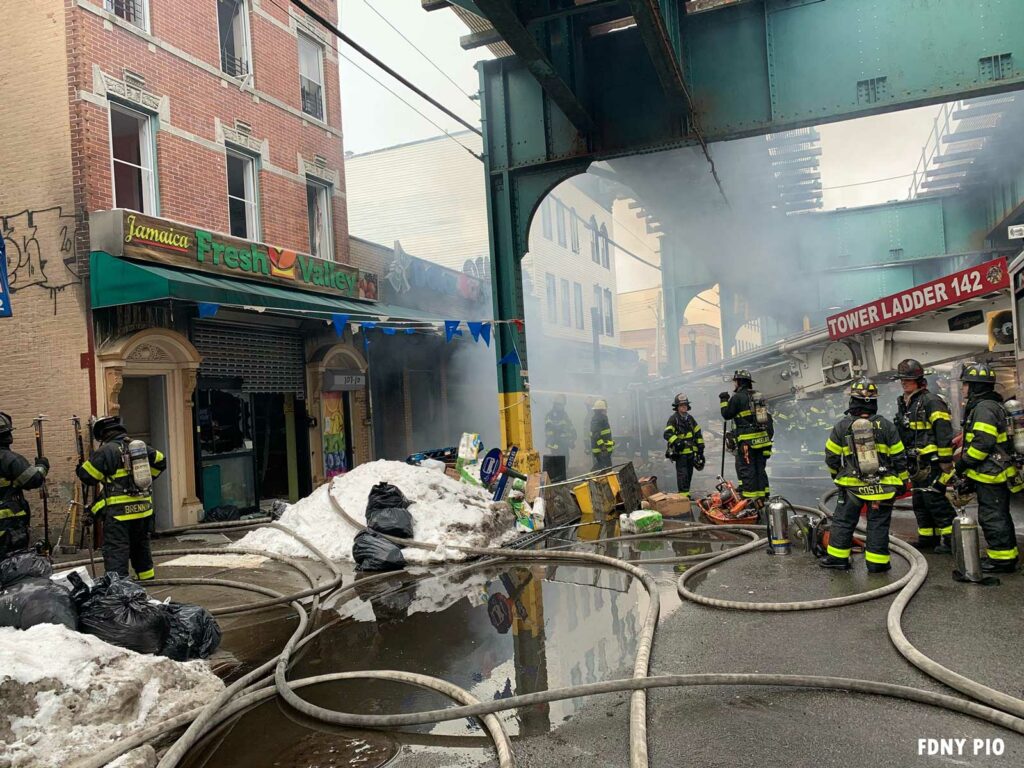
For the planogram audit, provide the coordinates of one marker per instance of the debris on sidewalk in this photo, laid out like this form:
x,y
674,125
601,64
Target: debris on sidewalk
x,y
67,695
444,511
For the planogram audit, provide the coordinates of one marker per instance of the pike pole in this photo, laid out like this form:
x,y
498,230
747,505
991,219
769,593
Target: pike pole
x,y
37,428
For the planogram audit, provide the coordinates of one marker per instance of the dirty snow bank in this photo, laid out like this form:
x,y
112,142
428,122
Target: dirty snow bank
x,y
443,511
67,695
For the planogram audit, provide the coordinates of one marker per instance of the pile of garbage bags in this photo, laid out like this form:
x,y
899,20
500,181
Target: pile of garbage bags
x,y
387,512
113,609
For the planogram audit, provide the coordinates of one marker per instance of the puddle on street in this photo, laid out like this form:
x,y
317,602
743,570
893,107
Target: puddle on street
x,y
496,631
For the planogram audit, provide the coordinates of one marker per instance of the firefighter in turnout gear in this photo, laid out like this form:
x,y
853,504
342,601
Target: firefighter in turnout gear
x,y
126,476
685,443
988,466
923,420
753,431
865,456
559,432
601,442
17,474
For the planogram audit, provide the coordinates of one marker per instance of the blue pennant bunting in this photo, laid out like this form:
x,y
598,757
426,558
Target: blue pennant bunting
x,y
512,358
480,330
410,331
389,331
368,324
340,322
208,309
451,328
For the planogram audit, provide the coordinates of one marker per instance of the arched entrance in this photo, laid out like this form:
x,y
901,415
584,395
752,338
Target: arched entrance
x,y
148,379
340,437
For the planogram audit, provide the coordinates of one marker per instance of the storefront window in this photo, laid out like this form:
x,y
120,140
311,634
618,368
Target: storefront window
x,y
226,449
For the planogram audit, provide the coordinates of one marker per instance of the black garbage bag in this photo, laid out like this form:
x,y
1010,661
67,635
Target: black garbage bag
x,y
375,553
193,633
118,610
384,496
23,565
225,513
37,600
391,521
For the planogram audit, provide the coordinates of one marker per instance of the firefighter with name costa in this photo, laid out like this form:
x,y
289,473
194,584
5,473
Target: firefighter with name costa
x,y
987,462
559,432
923,420
751,435
126,469
685,443
17,475
601,442
867,461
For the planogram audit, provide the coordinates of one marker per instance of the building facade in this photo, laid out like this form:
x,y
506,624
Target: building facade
x,y
146,146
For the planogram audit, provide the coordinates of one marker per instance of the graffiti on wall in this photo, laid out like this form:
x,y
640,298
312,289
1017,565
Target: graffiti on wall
x,y
335,446
40,250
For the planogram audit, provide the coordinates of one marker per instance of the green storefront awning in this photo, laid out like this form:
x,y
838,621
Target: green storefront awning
x,y
116,281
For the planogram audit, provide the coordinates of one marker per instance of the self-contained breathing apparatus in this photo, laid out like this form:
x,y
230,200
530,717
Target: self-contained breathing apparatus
x,y
136,464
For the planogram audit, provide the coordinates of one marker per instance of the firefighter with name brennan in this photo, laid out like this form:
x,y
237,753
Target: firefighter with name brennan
x,y
126,469
866,459
685,443
752,432
988,467
923,420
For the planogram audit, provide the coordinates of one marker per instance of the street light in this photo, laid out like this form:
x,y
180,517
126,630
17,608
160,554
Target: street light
x,y
693,347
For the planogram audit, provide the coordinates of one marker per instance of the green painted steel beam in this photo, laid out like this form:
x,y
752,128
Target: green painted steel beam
x,y
651,25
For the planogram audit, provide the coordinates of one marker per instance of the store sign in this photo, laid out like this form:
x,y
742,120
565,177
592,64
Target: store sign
x,y
928,297
166,242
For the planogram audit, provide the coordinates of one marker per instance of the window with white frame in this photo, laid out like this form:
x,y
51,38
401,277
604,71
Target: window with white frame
x,y
318,208
574,230
595,242
311,76
545,217
232,20
132,158
552,297
609,325
133,11
605,258
243,204
577,295
597,315
566,304
560,221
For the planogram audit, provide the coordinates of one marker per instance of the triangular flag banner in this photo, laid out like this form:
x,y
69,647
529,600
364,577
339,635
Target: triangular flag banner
x,y
339,321
518,324
410,331
367,325
480,330
389,331
451,328
207,309
512,358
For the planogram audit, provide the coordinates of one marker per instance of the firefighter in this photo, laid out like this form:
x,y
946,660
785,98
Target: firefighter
x,y
560,434
848,455
923,420
685,443
125,499
17,475
986,463
753,437
601,442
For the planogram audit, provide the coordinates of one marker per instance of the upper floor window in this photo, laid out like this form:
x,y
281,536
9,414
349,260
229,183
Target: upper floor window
x,y
133,11
234,37
560,221
545,217
311,76
595,242
609,325
577,295
566,304
552,297
243,208
132,158
574,230
318,209
605,258
596,311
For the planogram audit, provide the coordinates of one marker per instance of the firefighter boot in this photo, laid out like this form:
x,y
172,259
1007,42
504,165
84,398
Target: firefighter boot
x,y
835,563
924,543
988,565
945,545
879,567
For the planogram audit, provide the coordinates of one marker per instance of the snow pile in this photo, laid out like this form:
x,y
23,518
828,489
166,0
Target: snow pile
x,y
444,511
67,695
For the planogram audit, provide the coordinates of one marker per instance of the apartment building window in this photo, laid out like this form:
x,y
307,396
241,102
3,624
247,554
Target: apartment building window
x,y
609,325
133,11
549,284
595,244
605,258
577,295
243,205
132,158
574,230
560,221
232,17
318,209
597,310
545,217
311,76
566,304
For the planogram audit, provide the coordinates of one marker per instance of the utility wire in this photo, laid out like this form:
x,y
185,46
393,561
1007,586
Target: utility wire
x,y
404,81
417,49
872,181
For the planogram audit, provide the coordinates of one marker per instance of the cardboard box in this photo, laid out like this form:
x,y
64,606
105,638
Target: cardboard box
x,y
648,486
534,483
670,504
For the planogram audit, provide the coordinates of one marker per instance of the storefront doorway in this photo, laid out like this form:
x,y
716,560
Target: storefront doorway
x,y
144,414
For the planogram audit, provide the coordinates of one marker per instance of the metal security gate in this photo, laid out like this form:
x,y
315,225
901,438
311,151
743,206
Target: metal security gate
x,y
266,359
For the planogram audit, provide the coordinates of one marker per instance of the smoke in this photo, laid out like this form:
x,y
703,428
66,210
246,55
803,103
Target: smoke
x,y
473,392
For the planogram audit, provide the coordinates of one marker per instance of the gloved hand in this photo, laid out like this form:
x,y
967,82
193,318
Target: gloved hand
x,y
44,462
668,454
722,396
960,468
698,461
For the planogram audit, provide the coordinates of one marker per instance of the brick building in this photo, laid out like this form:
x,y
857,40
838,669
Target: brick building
x,y
218,123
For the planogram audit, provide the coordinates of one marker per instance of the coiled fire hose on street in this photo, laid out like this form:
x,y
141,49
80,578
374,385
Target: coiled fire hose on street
x,y
990,705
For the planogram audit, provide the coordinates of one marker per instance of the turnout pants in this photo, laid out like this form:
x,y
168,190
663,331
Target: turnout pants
x,y
684,473
932,510
14,537
844,520
602,460
994,519
128,540
752,472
